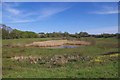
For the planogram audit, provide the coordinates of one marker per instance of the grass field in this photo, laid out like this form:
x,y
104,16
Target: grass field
x,y
92,62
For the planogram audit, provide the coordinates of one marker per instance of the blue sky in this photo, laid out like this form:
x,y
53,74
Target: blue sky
x,y
92,17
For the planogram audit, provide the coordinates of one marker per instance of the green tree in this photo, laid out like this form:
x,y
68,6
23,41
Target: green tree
x,y
5,34
83,34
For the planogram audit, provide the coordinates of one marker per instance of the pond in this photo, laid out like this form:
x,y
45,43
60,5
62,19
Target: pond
x,y
65,46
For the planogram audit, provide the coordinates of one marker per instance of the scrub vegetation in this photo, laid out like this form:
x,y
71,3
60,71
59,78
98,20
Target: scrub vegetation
x,y
97,60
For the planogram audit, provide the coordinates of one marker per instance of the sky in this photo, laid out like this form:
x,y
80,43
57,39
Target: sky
x,y
72,17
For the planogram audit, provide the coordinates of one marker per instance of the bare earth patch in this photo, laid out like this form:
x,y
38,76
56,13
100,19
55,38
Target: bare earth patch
x,y
53,43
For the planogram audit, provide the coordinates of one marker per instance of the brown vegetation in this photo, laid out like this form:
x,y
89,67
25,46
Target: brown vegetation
x,y
54,43
56,60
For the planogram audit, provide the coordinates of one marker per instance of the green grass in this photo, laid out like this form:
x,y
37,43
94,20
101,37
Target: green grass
x,y
23,41
80,69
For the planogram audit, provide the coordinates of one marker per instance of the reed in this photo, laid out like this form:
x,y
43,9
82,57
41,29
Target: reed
x,y
53,43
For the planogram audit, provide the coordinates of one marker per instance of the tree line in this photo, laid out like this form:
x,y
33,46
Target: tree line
x,y
77,35
16,34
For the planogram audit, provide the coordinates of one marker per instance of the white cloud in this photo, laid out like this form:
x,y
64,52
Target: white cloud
x,y
52,11
13,14
11,8
13,11
48,12
107,10
21,21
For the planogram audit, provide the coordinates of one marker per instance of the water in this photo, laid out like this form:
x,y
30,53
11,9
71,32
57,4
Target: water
x,y
65,46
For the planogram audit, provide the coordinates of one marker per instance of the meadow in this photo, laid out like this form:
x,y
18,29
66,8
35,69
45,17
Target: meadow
x,y
92,61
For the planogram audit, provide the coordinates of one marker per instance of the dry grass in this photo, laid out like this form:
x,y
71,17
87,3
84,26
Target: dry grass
x,y
58,60
53,43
